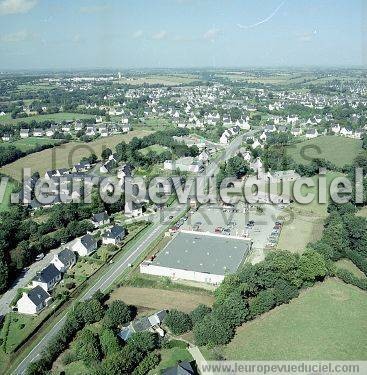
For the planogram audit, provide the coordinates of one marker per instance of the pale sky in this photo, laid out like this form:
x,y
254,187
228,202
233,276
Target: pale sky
x,y
72,34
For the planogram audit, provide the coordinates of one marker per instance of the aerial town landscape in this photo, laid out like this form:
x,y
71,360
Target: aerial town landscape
x,y
157,218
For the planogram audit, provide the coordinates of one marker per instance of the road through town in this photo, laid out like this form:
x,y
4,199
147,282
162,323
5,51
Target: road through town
x,y
132,255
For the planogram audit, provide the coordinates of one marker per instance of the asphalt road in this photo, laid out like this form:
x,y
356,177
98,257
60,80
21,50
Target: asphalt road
x,y
116,269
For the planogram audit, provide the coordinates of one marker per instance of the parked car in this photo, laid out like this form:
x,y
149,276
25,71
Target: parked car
x,y
40,256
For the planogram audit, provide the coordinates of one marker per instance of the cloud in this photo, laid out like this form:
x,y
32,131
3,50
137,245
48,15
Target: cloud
x,y
19,36
137,34
16,6
94,9
77,38
211,34
306,37
264,20
160,35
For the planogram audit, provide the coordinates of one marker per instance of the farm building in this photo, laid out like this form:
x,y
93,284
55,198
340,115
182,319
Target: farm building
x,y
201,257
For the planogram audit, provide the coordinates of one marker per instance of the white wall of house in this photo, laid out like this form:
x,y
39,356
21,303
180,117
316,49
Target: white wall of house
x,y
175,273
26,306
79,248
110,241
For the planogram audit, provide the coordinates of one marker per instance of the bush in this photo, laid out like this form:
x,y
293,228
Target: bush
x,y
284,292
148,363
118,313
212,331
199,313
68,357
174,344
263,302
178,322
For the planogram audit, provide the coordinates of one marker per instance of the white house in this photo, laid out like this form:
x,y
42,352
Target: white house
x,y
38,132
224,138
335,128
296,132
64,260
125,128
47,278
169,165
256,144
203,156
6,137
358,134
24,133
133,209
33,301
113,235
263,136
50,132
347,132
246,155
100,219
257,165
85,245
311,133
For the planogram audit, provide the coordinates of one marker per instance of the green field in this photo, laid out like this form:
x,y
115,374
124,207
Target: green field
x,y
155,79
30,143
156,123
300,231
153,148
351,267
57,117
170,357
315,207
35,87
66,155
4,205
327,322
336,149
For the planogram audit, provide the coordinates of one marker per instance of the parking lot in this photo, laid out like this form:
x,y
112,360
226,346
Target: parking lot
x,y
260,224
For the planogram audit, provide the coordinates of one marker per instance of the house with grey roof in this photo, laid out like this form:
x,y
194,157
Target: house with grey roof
x,y
33,301
47,278
64,260
24,133
100,219
83,166
182,368
85,245
149,323
113,235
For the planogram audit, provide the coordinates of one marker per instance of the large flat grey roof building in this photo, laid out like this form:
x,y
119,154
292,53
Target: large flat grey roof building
x,y
199,256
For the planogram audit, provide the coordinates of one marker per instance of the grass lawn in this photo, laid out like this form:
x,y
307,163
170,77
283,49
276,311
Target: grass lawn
x,y
154,148
170,357
82,270
155,79
327,322
4,204
66,155
351,267
316,208
362,212
73,368
57,117
156,123
146,298
30,143
300,231
336,149
20,327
